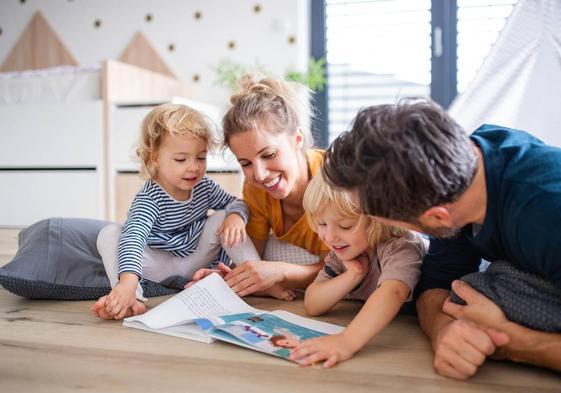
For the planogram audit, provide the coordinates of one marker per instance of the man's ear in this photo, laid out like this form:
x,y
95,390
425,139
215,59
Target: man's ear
x,y
437,216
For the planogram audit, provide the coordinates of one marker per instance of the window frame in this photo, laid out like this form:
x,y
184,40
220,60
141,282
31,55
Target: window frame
x,y
444,65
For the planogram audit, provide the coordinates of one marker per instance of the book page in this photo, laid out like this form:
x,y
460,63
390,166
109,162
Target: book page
x,y
189,331
324,327
209,297
264,332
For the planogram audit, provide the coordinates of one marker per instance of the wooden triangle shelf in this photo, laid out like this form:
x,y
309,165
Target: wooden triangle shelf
x,y
39,46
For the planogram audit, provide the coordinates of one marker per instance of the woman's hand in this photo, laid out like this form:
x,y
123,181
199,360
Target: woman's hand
x,y
222,269
333,349
232,230
254,276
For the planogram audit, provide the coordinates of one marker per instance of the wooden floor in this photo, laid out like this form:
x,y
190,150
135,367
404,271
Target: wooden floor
x,y
57,346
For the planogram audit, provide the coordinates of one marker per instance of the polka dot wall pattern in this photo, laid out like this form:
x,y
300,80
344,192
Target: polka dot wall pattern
x,y
191,37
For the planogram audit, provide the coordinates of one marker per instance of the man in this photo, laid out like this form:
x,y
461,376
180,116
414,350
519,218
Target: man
x,y
494,195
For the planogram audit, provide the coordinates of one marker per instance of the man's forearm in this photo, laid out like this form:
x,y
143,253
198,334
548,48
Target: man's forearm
x,y
429,311
531,346
525,345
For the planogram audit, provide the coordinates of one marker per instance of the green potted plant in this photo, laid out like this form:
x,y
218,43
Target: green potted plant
x,y
229,72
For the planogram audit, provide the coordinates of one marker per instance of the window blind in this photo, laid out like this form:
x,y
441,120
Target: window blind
x,y
377,52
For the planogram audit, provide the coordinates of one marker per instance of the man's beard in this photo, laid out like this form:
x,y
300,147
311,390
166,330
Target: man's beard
x,y
440,232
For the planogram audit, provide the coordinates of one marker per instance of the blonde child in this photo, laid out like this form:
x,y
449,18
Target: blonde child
x,y
367,261
168,231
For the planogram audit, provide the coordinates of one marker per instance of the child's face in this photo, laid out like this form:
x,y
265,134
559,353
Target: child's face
x,y
287,343
181,163
346,237
269,161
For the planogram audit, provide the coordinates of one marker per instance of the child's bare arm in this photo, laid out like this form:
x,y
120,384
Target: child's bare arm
x,y
379,310
321,296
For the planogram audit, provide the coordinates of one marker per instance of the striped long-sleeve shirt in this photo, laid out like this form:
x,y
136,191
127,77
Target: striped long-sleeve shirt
x,y
159,221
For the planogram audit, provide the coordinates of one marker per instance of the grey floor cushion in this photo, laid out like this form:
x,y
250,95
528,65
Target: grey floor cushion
x,y
57,259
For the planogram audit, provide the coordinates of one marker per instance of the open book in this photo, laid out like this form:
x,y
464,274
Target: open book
x,y
210,310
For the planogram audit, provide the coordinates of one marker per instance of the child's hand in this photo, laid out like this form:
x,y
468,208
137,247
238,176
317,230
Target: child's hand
x,y
232,230
122,297
358,266
202,273
333,349
98,309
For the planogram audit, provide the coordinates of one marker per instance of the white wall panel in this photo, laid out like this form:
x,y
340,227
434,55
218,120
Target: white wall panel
x,y
199,44
51,135
30,196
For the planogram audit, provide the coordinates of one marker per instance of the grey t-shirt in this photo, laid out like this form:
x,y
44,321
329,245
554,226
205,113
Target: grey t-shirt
x,y
397,259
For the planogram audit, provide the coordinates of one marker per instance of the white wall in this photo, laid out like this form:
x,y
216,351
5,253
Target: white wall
x,y
261,37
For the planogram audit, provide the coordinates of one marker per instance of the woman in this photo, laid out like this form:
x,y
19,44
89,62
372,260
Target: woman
x,y
267,130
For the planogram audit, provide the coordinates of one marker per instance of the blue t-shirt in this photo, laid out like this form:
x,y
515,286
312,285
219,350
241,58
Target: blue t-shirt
x,y
523,217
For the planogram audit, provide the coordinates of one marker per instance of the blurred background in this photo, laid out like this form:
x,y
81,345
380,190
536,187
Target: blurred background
x,y
69,121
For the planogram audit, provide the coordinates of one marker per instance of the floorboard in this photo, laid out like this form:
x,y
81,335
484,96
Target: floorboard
x,y
58,346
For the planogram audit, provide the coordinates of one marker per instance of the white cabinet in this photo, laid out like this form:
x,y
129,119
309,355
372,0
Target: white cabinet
x,y
49,160
125,131
31,195
51,135
56,161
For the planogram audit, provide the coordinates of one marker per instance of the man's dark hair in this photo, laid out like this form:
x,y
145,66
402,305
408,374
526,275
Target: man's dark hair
x,y
402,159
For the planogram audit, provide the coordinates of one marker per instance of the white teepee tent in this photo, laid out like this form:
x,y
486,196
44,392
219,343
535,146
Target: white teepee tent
x,y
519,84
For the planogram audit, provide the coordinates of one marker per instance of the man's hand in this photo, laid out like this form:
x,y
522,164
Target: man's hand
x,y
463,344
478,309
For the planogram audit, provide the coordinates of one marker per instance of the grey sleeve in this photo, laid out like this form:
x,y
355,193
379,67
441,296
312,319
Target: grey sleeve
x,y
238,207
220,199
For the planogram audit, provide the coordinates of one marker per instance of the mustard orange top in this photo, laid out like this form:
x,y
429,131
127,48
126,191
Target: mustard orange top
x,y
266,214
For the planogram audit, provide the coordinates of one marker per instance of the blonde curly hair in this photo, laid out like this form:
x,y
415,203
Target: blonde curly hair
x,y
173,119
